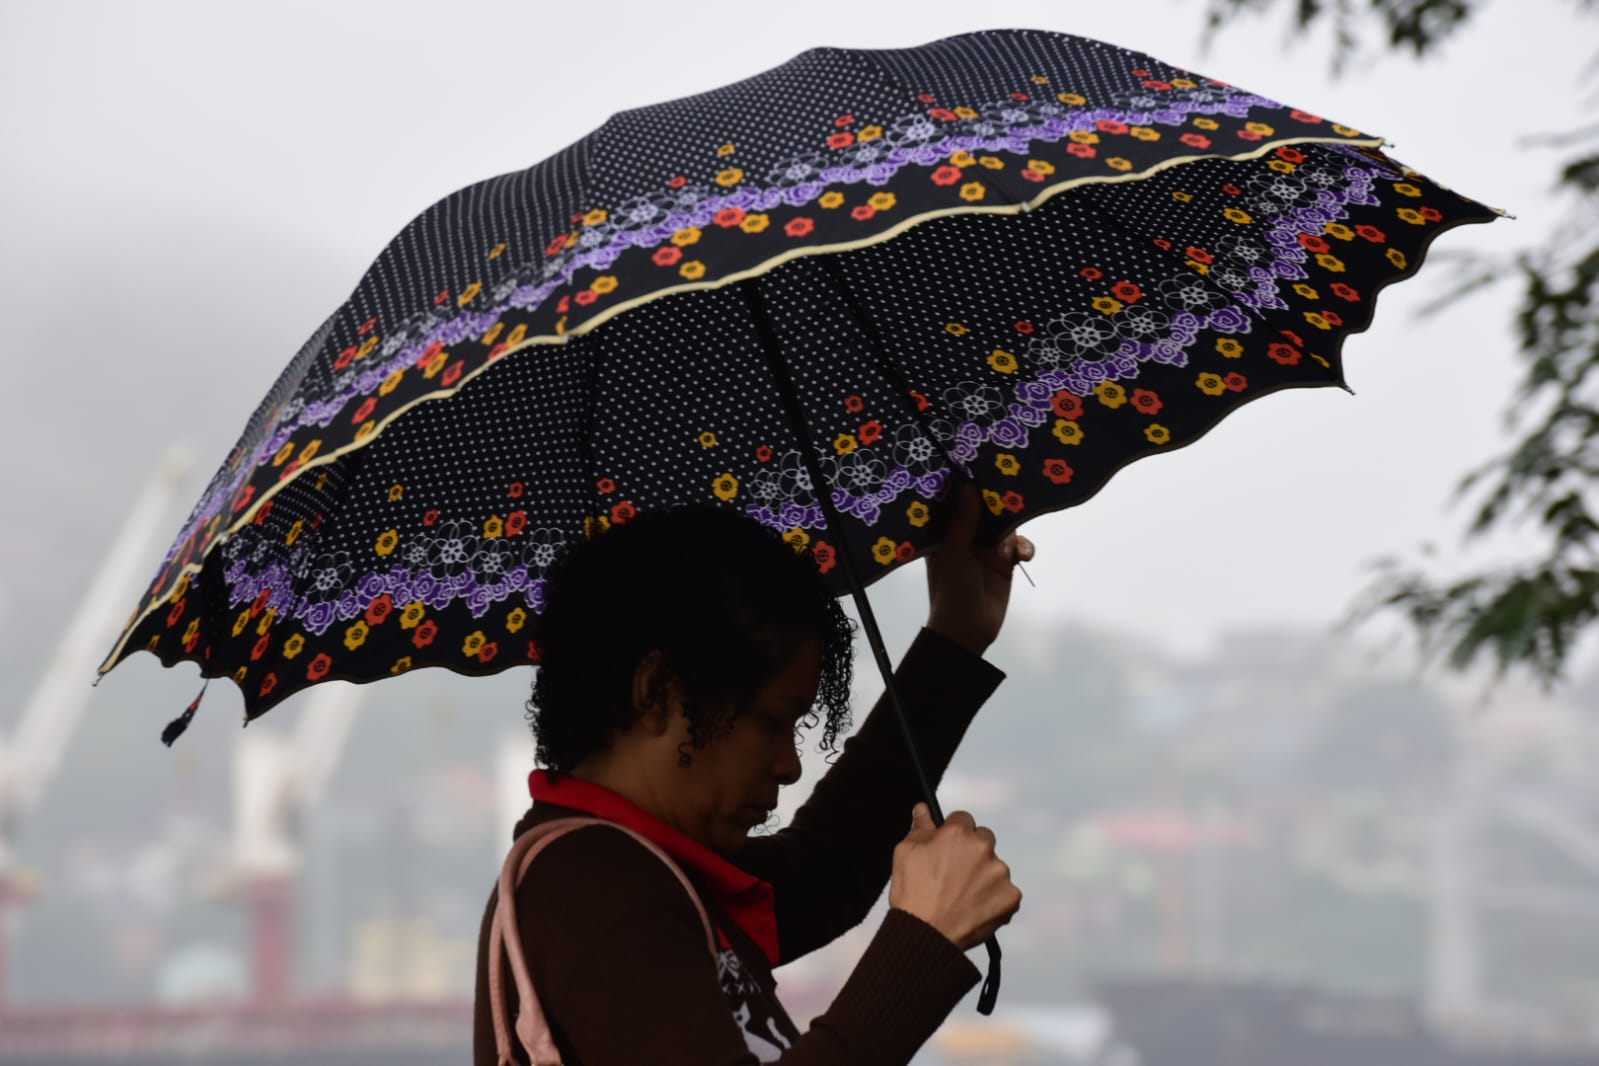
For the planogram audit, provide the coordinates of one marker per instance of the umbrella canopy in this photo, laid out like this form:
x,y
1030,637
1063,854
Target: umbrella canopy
x,y
1016,256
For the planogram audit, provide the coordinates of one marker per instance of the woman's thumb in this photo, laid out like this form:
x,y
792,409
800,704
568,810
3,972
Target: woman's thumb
x,y
920,817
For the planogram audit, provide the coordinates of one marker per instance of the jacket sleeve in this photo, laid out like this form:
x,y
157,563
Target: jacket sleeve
x,y
830,864
618,956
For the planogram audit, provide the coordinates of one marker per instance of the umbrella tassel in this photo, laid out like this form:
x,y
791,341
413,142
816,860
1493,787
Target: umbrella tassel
x,y
874,637
175,728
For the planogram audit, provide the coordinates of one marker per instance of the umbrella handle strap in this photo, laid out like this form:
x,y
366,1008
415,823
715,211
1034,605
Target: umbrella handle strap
x,y
505,939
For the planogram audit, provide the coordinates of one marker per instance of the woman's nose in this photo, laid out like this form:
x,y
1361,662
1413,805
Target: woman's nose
x,y
788,765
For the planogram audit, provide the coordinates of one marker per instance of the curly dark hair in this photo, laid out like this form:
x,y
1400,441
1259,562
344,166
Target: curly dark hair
x,y
726,602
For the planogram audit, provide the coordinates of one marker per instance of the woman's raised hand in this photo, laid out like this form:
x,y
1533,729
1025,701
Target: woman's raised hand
x,y
968,588
950,878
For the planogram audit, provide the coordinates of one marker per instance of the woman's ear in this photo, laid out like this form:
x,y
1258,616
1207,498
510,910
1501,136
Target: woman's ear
x,y
657,698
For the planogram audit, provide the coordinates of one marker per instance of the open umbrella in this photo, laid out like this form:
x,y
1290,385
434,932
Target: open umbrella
x,y
1016,256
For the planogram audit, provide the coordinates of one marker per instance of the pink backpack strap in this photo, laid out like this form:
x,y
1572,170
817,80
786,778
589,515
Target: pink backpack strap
x,y
505,938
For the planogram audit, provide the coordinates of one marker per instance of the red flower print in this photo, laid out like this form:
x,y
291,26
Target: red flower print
x,y
1332,317
729,216
555,246
261,515
366,327
1158,86
534,654
515,490
946,175
588,296
1247,135
623,513
921,401
319,666
1013,501
1232,190
244,498
1033,175
905,551
1236,382
1195,140
1286,354
844,120
1305,116
1298,341
444,294
824,555
943,114
1344,292
1020,97
176,613
764,453
665,257
425,633
261,647
677,182
1372,234
1162,242
453,373
925,98
498,350
799,227
1025,327
1058,470
1314,244
1106,125
564,304
1147,402
870,431
268,683
487,652
1140,73
606,485
429,517
364,412
854,404
1127,292
1081,151
862,212
1431,214
1092,273
316,521
259,603
1290,155
841,140
1199,255
430,353
378,611
1067,404
515,522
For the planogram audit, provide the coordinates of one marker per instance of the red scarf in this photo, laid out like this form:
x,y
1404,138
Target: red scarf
x,y
746,898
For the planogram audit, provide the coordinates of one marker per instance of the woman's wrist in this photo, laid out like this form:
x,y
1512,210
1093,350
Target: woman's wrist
x,y
962,635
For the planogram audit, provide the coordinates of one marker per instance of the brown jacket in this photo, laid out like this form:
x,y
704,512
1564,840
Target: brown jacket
x,y
618,955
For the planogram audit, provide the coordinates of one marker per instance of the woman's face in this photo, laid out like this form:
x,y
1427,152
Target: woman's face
x,y
731,785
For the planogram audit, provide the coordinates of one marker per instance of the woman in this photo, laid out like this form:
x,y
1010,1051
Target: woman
x,y
679,655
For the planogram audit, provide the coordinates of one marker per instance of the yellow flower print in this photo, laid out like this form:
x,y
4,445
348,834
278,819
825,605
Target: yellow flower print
x,y
413,614
797,538
294,646
1002,361
725,487
831,200
396,493
401,665
283,454
956,328
1404,188
1281,166
1233,214
1068,431
1340,231
730,176
1075,99
240,674
755,223
973,191
918,514
1107,305
845,443
498,250
240,622
192,633
1315,319
883,551
869,133
1157,433
367,346
387,542
1410,215
1330,262
520,332
1345,131
153,643
515,620
882,201
1211,384
1260,128
1038,79
1306,292
355,636
264,623
474,643
493,527
365,430
727,149
1229,348
707,439
1397,258
603,285
1007,464
181,589
1083,137
686,236
990,162
965,112
392,382
596,216
1183,83
962,158
693,269
322,478
1144,133
994,501
1207,123
469,294
435,365
593,525
294,532
1041,166
1181,197
309,451
1196,266
1110,394
1116,162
